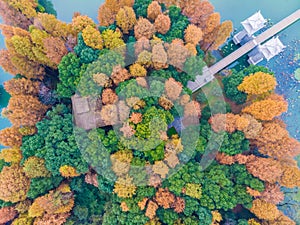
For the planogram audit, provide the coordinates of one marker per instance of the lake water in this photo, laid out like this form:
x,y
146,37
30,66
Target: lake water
x,y
3,95
286,63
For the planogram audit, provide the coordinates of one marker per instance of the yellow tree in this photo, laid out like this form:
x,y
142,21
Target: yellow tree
x,y
212,22
144,28
28,68
162,23
53,26
92,37
80,22
35,167
193,190
27,7
22,45
14,184
56,201
221,34
108,11
22,86
193,34
113,39
124,187
258,84
126,19
11,155
11,137
217,217
290,177
136,70
264,210
267,109
106,16
24,110
68,171
154,9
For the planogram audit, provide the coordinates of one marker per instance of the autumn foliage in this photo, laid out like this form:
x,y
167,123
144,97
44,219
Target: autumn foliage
x,y
35,167
162,23
11,137
143,161
11,155
144,28
264,210
173,89
92,37
7,214
14,185
126,19
24,110
193,34
154,9
124,187
267,109
258,83
22,86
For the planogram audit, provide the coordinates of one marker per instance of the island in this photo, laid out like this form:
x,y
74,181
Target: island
x,y
129,120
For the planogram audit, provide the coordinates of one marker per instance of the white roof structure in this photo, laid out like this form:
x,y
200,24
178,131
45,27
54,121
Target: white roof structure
x,y
254,23
271,48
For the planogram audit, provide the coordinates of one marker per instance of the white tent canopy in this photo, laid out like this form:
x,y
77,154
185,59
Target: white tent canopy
x,y
271,48
254,23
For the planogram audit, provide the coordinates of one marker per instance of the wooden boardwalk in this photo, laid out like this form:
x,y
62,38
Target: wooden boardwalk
x,y
209,73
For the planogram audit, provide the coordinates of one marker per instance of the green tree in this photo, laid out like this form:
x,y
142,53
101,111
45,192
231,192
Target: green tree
x,y
89,201
167,216
234,143
179,23
194,210
47,6
230,87
105,63
224,189
69,75
193,66
140,7
40,186
232,81
189,173
58,145
85,53
114,216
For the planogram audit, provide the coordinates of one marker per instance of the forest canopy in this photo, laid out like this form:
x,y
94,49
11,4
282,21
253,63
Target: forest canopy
x,y
106,131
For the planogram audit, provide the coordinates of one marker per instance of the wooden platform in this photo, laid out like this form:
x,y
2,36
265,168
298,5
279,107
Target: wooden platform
x,y
208,73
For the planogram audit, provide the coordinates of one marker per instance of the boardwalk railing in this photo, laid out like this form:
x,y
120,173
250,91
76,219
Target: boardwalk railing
x,y
208,73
